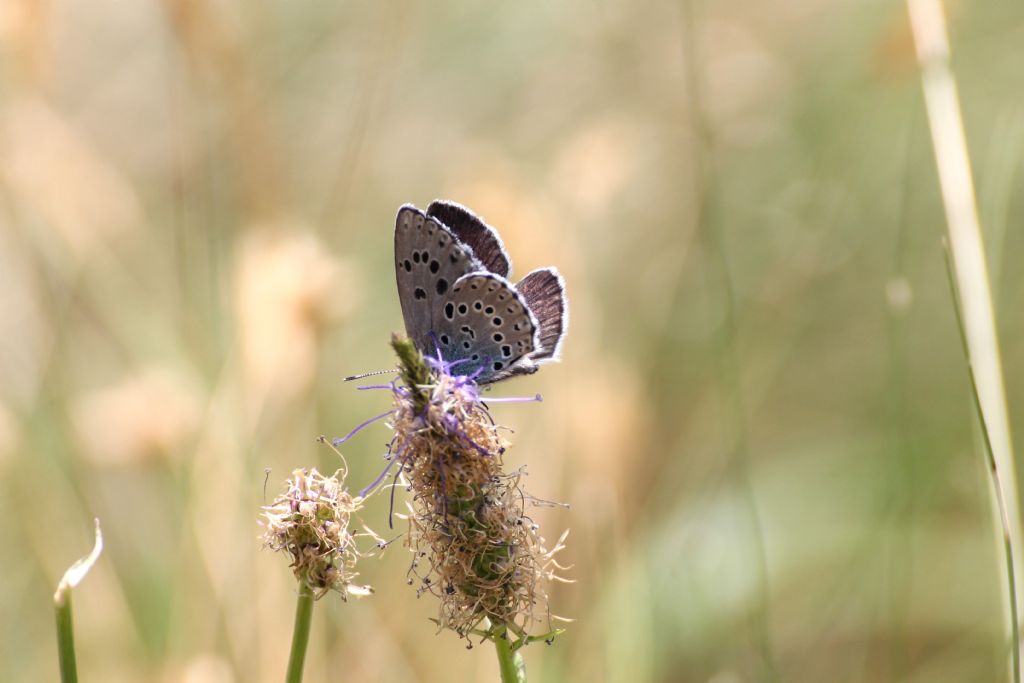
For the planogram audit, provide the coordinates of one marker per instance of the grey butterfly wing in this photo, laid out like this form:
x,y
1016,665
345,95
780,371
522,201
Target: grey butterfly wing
x,y
544,292
429,259
486,328
475,233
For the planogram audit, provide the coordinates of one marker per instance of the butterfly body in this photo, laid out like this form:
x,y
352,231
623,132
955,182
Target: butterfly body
x,y
452,273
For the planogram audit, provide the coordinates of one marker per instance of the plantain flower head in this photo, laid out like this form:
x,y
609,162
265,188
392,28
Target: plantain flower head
x,y
310,523
474,546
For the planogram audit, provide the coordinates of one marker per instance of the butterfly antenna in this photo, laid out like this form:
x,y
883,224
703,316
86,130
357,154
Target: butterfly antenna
x,y
370,374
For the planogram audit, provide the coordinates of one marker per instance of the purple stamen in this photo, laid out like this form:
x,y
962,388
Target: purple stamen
x,y
517,399
380,477
378,480
376,386
445,367
467,384
474,444
437,347
338,442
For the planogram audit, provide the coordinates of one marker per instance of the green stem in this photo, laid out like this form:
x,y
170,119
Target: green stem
x,y
511,664
300,635
66,640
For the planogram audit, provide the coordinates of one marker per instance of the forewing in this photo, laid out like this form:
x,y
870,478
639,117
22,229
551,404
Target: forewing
x,y
544,293
429,259
471,229
487,328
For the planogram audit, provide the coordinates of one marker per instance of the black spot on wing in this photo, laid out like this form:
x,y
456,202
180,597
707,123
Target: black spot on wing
x,y
428,259
487,344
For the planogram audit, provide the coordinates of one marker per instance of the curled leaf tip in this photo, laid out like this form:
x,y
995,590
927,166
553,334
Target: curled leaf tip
x,y
77,571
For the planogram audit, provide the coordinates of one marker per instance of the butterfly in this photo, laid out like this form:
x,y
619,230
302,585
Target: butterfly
x,y
457,301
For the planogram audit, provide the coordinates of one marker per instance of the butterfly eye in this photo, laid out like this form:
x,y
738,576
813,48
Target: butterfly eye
x,y
442,286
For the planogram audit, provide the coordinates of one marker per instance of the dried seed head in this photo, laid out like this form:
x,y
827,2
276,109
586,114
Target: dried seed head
x,y
474,547
310,522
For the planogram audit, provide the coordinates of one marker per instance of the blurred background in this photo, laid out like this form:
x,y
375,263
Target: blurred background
x,y
762,422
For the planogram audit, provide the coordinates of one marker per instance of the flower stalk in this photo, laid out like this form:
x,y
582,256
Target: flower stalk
x,y
300,634
510,662
309,522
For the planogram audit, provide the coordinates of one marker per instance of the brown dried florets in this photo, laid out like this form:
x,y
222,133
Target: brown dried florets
x,y
474,546
310,522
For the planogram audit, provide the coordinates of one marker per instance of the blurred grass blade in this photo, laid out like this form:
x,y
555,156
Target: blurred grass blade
x,y
969,266
997,483
721,291
62,600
